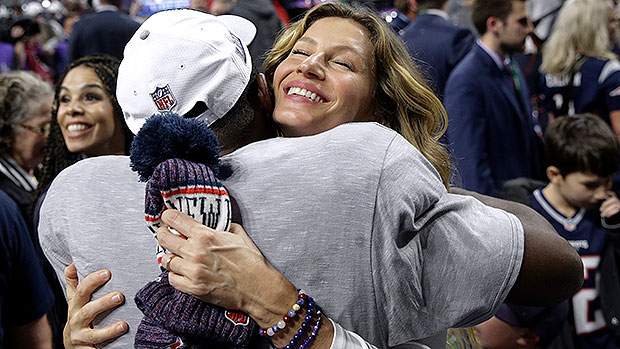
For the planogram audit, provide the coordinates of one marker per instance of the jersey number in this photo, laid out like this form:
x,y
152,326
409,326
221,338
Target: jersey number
x,y
586,310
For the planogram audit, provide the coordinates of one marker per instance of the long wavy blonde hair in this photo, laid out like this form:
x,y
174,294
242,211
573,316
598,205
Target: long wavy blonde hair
x,y
402,98
581,28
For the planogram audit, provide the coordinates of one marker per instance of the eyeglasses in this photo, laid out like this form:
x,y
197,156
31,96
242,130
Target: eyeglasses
x,y
41,130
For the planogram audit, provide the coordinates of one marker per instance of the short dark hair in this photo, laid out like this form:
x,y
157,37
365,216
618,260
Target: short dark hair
x,y
582,143
435,4
481,10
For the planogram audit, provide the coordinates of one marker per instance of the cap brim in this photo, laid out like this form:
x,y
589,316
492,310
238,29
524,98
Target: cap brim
x,y
240,26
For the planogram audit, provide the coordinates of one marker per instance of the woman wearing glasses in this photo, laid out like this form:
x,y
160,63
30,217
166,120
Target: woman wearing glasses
x,y
25,115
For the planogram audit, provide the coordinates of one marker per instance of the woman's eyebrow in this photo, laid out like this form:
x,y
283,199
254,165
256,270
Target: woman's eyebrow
x,y
85,87
337,47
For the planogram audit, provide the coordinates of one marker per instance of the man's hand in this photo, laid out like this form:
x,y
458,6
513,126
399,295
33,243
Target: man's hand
x,y
78,332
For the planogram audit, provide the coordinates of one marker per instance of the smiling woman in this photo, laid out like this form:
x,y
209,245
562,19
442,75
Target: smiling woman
x,y
86,121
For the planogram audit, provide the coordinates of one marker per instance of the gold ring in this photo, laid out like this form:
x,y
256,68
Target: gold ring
x,y
169,260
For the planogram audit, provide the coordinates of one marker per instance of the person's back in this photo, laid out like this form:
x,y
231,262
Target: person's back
x,y
25,295
276,185
578,202
436,43
103,32
264,16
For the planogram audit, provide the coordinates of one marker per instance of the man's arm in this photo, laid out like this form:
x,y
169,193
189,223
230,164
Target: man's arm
x,y
36,335
548,258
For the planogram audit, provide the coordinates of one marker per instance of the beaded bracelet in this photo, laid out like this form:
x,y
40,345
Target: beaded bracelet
x,y
270,331
302,331
314,331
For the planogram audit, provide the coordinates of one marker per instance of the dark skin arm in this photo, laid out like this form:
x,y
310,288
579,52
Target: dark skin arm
x,y
548,259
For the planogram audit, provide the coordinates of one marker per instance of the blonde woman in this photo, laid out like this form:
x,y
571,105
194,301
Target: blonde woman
x,y
580,72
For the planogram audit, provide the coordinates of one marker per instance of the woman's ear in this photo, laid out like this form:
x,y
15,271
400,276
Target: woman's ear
x,y
265,98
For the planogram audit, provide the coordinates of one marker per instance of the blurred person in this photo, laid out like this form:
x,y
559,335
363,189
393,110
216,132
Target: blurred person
x,y
220,7
580,72
436,44
516,326
460,13
104,32
300,60
490,128
263,15
25,114
86,121
29,54
25,295
62,49
406,12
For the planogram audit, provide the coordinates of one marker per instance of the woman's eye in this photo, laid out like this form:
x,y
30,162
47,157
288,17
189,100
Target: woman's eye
x,y
64,99
344,64
300,52
91,97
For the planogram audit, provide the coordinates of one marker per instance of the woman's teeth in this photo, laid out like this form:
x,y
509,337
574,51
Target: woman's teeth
x,y
76,127
303,92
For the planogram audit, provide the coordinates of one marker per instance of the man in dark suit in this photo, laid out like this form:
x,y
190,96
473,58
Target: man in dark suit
x,y
436,43
490,127
106,31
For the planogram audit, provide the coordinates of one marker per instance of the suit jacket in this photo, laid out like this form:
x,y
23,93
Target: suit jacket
x,y
105,32
490,129
438,45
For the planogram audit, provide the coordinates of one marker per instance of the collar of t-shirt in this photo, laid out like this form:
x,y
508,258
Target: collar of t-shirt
x,y
436,12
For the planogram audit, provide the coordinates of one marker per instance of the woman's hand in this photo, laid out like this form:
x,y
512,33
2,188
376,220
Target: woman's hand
x,y
223,268
78,332
227,269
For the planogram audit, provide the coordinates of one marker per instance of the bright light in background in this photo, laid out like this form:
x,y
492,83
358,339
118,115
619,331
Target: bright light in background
x,y
46,3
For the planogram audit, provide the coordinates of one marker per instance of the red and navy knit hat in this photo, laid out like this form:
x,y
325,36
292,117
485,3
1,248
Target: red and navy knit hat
x,y
178,158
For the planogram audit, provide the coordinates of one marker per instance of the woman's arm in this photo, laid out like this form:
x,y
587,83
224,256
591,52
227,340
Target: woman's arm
x,y
78,333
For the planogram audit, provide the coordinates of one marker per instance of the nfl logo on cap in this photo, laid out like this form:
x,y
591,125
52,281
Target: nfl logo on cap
x,y
163,98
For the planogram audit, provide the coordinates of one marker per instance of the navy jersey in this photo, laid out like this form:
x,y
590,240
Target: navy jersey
x,y
596,89
585,232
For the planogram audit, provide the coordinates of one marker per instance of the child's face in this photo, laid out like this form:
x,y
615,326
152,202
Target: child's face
x,y
583,189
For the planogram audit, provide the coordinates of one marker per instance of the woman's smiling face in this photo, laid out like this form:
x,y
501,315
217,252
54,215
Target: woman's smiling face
x,y
327,79
86,115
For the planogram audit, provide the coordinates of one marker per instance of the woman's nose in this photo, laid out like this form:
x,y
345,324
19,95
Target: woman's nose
x,y
74,107
312,67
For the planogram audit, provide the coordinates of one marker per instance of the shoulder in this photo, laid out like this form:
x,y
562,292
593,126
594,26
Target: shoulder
x,y
7,205
92,174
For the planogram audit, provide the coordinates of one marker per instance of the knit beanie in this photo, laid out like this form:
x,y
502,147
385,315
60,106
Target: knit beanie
x,y
178,159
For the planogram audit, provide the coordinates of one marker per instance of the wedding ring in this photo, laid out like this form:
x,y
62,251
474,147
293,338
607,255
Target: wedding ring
x,y
169,260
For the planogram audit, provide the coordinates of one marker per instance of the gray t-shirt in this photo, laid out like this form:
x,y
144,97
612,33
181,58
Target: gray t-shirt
x,y
355,216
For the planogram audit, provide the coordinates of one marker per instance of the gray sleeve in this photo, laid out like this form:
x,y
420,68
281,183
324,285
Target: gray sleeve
x,y
439,260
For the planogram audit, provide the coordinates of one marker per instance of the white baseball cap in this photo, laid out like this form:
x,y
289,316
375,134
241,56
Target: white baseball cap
x,y
178,58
